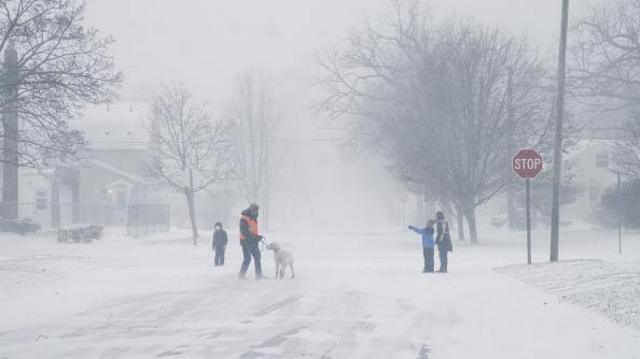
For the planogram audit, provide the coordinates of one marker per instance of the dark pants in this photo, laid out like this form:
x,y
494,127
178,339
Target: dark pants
x,y
250,248
428,259
219,257
444,261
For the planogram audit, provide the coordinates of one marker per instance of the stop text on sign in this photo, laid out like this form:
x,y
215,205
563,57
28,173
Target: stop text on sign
x,y
527,163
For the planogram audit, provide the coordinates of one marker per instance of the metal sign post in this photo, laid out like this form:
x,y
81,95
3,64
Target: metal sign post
x,y
528,222
527,164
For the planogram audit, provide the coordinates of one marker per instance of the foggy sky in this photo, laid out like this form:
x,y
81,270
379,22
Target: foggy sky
x,y
205,43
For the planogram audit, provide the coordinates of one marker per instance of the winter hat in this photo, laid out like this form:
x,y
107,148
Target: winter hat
x,y
253,210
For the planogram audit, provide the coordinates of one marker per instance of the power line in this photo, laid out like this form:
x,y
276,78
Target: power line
x,y
197,142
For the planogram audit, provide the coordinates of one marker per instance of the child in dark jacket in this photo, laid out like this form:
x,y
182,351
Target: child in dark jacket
x,y
428,245
444,247
219,244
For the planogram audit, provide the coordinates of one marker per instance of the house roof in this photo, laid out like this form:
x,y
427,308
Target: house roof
x,y
124,174
121,125
586,146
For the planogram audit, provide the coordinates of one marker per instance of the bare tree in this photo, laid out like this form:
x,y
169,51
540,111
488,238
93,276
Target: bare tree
x,y
433,98
605,71
627,151
53,65
189,150
605,55
257,127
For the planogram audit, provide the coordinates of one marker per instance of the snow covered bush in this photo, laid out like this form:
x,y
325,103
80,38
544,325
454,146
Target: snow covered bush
x,y
625,205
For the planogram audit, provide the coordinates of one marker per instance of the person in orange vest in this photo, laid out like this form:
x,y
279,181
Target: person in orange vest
x,y
249,239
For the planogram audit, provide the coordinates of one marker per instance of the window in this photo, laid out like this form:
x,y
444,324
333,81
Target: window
x,y
41,200
602,160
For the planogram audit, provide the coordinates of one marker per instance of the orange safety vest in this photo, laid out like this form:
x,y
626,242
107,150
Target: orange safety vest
x,y
253,227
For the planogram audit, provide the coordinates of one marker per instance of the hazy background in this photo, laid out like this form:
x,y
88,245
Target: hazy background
x,y
206,44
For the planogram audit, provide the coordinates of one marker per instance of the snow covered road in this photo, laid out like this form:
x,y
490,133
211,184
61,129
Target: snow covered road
x,y
355,296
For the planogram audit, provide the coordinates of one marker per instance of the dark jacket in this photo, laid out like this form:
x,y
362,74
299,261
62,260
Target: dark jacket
x,y
444,243
219,239
439,229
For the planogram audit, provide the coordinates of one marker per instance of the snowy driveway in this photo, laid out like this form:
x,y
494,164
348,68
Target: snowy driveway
x,y
356,296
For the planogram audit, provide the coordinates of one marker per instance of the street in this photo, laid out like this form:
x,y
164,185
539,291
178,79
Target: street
x,y
355,296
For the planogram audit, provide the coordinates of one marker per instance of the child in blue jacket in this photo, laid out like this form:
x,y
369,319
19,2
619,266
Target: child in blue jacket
x,y
428,245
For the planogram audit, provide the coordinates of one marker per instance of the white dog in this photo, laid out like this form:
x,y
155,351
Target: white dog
x,y
283,258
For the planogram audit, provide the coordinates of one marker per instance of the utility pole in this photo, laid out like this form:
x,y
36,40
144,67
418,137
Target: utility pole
x,y
511,207
10,128
267,176
557,151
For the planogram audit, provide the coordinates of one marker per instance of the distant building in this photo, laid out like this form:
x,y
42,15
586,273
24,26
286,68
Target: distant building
x,y
590,166
110,178
107,179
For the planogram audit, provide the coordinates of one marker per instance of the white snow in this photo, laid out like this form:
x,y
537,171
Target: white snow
x,y
355,296
607,287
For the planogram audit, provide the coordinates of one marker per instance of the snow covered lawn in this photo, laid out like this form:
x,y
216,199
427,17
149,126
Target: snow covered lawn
x,y
355,296
607,287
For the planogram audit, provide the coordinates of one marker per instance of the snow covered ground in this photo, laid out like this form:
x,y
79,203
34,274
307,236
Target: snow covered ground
x,y
610,288
355,296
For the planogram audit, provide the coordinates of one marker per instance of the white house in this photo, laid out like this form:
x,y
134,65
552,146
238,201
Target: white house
x,y
106,180
590,166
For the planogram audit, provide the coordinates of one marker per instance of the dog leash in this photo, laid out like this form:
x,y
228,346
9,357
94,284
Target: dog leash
x,y
264,240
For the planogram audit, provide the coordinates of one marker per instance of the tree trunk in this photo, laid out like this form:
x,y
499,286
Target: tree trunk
x,y
10,128
470,215
192,208
460,220
266,205
420,208
192,216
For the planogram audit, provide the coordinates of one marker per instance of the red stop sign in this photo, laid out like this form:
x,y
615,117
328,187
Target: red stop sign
x,y
527,163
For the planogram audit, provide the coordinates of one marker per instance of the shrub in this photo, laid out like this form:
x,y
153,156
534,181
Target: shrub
x,y
627,205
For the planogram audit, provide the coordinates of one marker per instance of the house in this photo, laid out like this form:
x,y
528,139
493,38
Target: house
x,y
110,175
40,190
591,168
104,182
